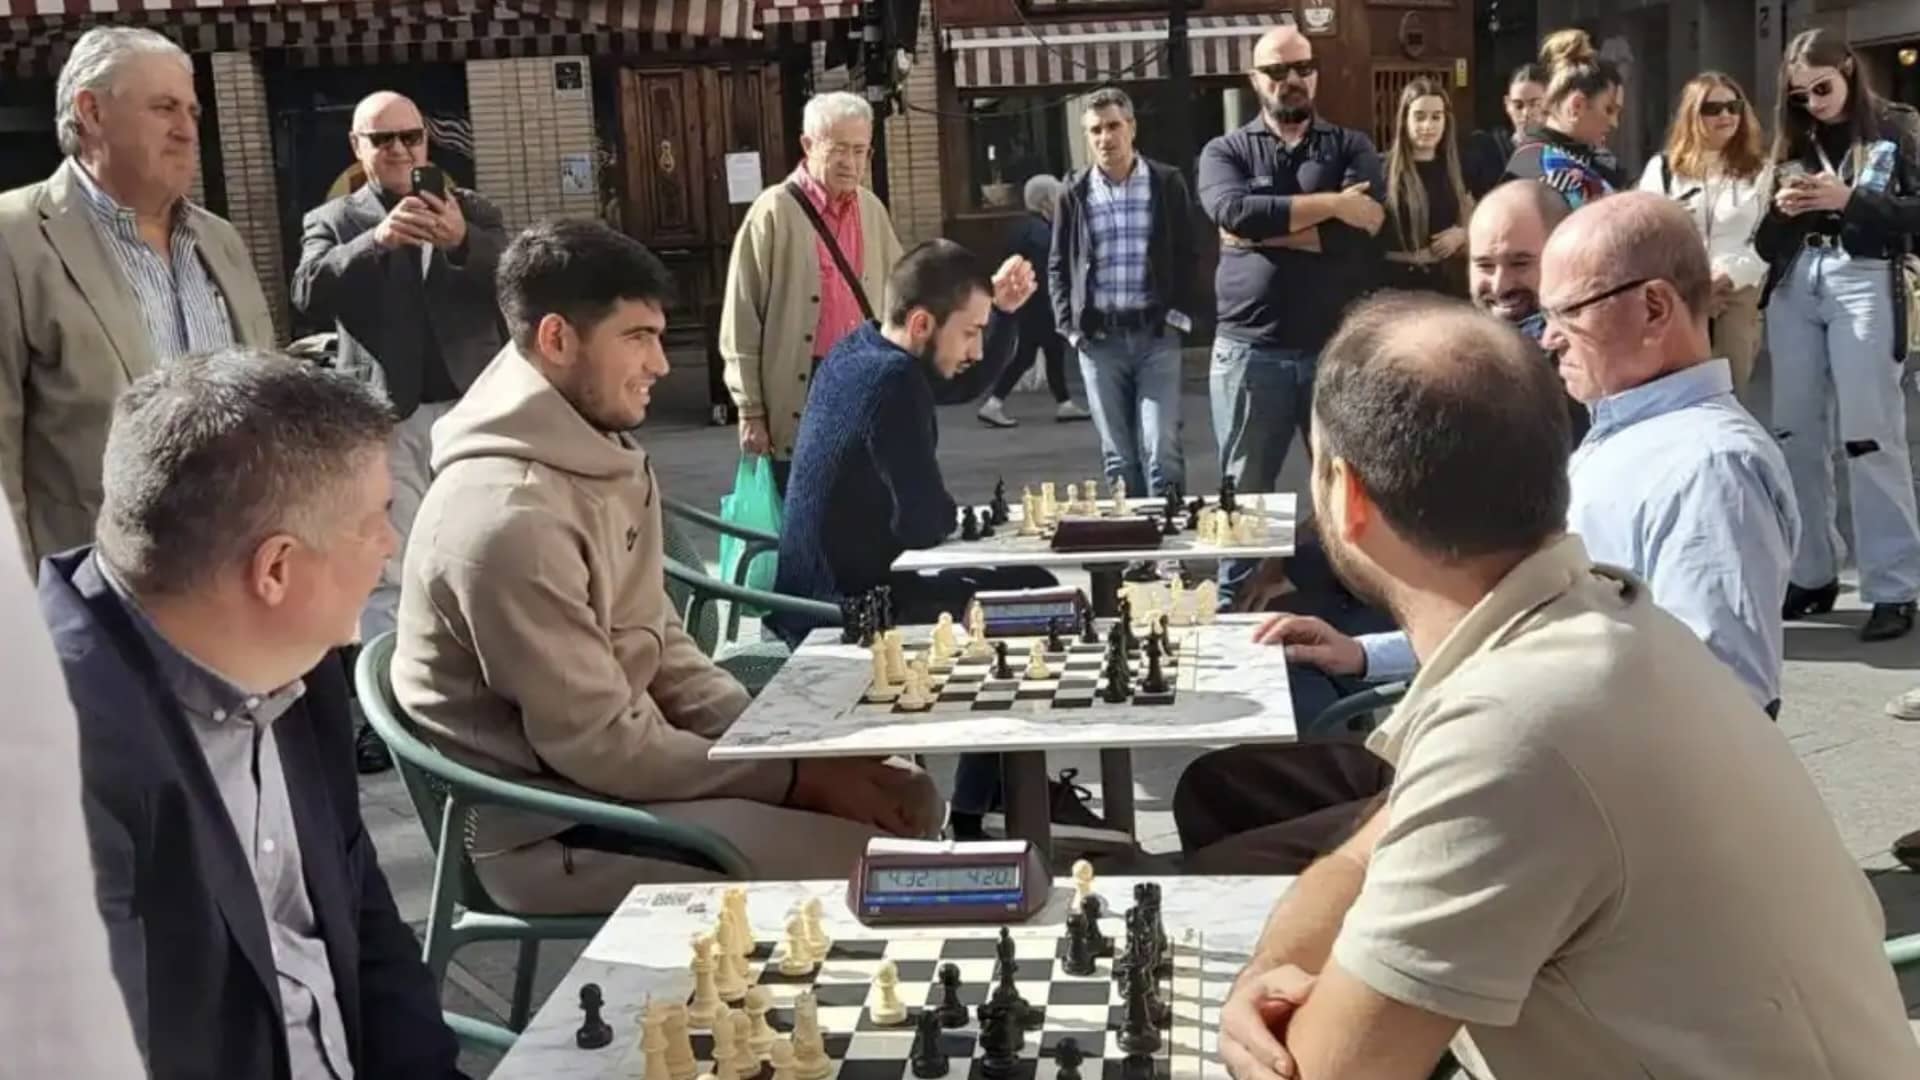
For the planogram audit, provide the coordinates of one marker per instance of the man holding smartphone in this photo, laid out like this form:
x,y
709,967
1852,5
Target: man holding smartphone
x,y
404,266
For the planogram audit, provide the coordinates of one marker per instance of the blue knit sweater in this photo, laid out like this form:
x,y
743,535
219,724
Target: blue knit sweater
x,y
866,484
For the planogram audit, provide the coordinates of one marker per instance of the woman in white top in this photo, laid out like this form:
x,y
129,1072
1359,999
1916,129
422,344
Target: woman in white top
x,y
1715,167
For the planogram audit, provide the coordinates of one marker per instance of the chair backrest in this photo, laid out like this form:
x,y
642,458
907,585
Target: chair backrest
x,y
702,620
430,794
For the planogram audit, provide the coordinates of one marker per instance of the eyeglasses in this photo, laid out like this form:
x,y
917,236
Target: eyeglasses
x,y
1560,315
380,140
1711,109
1823,88
1278,72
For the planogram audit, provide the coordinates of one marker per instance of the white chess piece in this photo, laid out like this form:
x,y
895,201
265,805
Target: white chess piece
x,y
918,692
977,647
1037,669
796,958
896,658
1093,496
1176,596
1049,503
654,1043
815,918
727,976
1073,498
880,689
1120,498
1082,881
1029,515
1206,599
944,641
781,1055
890,1010
706,996
723,1056
1260,516
746,1063
809,1045
761,1034
680,1063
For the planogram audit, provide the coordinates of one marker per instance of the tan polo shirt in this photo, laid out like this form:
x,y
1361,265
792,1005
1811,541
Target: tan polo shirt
x,y
1606,862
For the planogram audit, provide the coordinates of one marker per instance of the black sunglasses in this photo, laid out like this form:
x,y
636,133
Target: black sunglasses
x,y
1820,89
380,140
1278,72
1721,108
1562,314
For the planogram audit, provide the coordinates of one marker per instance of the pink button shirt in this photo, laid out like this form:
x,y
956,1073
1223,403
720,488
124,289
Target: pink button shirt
x,y
839,309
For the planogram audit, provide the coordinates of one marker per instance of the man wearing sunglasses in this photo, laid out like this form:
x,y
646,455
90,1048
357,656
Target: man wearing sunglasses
x,y
1297,202
107,271
405,271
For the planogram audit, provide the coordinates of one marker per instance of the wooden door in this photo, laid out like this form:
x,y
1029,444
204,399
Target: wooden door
x,y
665,156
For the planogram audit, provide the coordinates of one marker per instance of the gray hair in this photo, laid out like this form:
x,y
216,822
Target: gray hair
x,y
95,64
1109,97
212,454
825,110
1041,194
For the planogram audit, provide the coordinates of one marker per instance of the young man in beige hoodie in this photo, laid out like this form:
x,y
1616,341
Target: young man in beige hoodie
x,y
536,640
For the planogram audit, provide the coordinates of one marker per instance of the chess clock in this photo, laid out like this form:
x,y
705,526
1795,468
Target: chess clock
x,y
943,881
1026,612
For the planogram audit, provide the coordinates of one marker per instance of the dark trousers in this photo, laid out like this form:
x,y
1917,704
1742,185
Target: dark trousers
x,y
1274,809
920,598
1033,342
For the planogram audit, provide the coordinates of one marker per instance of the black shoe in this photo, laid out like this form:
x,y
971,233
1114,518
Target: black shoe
x,y
966,827
1801,602
1907,850
370,755
1888,621
1071,816
1142,570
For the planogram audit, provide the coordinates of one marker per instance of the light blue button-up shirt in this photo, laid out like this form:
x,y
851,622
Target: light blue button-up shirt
x,y
1680,484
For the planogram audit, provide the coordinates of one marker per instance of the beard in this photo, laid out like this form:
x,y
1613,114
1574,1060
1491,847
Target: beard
x,y
604,416
1349,569
1514,305
1291,105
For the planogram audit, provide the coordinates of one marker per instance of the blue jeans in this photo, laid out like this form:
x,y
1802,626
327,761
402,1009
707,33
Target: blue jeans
x,y
1260,397
1133,390
1830,331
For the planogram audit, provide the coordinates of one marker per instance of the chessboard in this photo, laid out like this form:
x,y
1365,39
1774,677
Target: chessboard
x,y
1090,1010
967,684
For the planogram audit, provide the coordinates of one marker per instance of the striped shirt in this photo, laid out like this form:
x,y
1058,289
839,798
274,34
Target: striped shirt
x,y
183,309
1120,216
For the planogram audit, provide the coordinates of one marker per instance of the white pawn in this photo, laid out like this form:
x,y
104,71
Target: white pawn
x,y
890,1010
1093,496
796,958
1119,498
1073,498
680,1063
782,1057
918,692
1082,882
746,1063
1037,669
762,1034
809,1046
723,1060
654,1043
706,996
817,939
944,641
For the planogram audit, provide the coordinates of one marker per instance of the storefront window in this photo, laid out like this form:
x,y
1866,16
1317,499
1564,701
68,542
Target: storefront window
x,y
1012,138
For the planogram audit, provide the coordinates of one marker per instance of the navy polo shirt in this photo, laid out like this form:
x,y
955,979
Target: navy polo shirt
x,y
1277,298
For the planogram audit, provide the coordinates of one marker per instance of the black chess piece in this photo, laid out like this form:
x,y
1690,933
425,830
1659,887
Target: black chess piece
x,y
1005,992
1194,506
969,525
1118,687
850,620
1000,1041
997,511
928,1060
594,1032
1163,949
951,1012
1054,644
1089,628
986,524
1080,958
1171,508
1068,1056
1170,523
1124,620
1155,681
1139,1034
1001,669
1092,908
1229,492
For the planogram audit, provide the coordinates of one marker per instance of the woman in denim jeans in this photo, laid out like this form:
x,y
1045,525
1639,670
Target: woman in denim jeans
x,y
1844,208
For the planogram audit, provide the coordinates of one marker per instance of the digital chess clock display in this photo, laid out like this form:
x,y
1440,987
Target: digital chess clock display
x,y
910,884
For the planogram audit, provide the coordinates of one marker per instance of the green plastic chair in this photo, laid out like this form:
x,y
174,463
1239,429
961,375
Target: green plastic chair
x,y
1904,952
445,793
1360,713
756,540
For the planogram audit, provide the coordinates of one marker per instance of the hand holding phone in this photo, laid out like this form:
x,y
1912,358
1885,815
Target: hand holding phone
x,y
429,178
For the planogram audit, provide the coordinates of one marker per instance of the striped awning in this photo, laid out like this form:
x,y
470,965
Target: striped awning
x,y
1108,50
777,12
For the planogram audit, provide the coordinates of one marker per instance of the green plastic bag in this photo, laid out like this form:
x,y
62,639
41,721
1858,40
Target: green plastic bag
x,y
754,504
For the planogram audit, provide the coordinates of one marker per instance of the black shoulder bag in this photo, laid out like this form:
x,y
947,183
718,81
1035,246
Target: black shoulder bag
x,y
833,248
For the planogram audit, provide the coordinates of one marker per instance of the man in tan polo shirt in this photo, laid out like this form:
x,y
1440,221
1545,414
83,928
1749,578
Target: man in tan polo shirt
x,y
1562,881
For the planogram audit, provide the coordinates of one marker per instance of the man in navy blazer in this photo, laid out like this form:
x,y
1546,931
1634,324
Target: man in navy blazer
x,y
243,524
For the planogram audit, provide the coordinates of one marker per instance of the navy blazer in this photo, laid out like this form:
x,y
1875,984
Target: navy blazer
x,y
184,922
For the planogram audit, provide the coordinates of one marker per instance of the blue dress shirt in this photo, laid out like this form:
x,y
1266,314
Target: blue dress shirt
x,y
1677,482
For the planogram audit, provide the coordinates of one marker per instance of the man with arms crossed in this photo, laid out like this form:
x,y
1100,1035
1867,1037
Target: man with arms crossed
x,y
1563,870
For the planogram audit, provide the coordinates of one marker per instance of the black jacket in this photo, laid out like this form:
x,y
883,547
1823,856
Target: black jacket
x,y
1875,224
394,323
184,921
1032,240
1171,273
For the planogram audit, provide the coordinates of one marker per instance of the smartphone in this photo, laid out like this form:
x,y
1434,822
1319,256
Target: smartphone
x,y
429,178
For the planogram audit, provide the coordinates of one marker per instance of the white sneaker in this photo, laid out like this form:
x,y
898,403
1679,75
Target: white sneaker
x,y
1906,706
993,414
1068,411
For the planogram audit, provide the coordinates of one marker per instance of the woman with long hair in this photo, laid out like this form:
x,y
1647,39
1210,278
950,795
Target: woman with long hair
x,y
1715,165
1845,207
1427,201
1484,155
1567,152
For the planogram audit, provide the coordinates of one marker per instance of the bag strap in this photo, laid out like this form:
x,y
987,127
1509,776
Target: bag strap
x,y
1666,176
833,247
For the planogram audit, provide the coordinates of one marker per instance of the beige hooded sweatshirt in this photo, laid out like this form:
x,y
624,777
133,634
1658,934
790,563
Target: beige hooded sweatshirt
x,y
536,640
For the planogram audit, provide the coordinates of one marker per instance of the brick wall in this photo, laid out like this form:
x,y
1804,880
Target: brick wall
x,y
246,154
523,132
913,146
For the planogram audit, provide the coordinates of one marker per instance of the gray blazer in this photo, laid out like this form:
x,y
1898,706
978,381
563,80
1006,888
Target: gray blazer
x,y
389,316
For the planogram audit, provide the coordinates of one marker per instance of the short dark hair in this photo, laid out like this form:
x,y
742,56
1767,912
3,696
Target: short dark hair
x,y
1109,97
212,454
577,270
1450,420
1529,72
939,276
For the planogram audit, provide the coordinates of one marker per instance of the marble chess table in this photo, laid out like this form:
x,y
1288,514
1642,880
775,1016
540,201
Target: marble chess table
x,y
644,950
1006,547
1238,693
